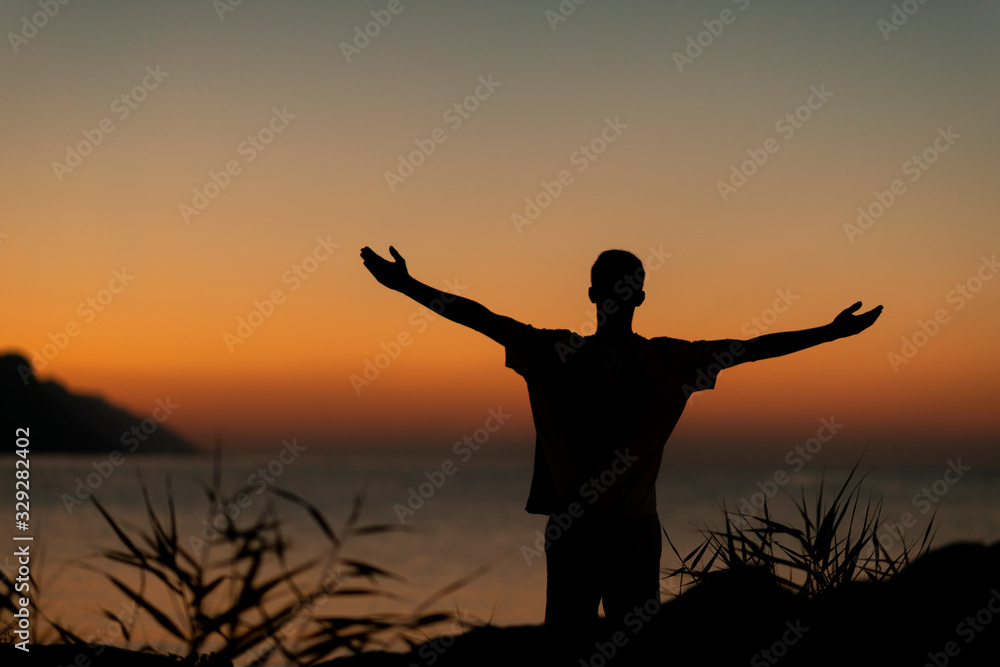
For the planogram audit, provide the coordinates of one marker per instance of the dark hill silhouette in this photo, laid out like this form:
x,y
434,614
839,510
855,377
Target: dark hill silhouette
x,y
940,610
64,422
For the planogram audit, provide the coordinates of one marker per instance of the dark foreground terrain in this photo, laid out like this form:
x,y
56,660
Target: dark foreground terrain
x,y
944,609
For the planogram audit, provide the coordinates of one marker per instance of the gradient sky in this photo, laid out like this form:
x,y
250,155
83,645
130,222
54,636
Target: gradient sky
x,y
654,188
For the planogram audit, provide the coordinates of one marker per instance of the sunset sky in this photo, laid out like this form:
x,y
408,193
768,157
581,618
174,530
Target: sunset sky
x,y
178,163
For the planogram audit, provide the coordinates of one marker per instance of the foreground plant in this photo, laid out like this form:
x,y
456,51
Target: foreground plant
x,y
825,552
245,594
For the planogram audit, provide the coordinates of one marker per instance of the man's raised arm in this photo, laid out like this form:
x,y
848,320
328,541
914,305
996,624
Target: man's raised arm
x,y
456,308
778,344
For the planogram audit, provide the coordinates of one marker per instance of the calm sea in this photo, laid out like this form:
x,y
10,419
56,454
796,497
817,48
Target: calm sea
x,y
474,518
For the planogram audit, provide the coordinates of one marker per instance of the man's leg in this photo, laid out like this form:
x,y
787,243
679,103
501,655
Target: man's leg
x,y
632,570
572,590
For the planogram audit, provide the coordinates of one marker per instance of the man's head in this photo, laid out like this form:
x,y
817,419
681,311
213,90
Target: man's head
x,y
617,275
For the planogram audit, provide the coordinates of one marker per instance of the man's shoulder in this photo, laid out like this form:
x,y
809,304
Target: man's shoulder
x,y
668,342
522,329
681,351
530,347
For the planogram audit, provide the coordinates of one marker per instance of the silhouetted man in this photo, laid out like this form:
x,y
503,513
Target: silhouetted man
x,y
604,406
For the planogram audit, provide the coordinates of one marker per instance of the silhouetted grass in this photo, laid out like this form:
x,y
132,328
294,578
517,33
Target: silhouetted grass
x,y
825,550
7,596
247,592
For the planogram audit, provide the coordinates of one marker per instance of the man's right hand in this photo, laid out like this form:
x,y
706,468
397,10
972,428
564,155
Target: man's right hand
x,y
391,274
